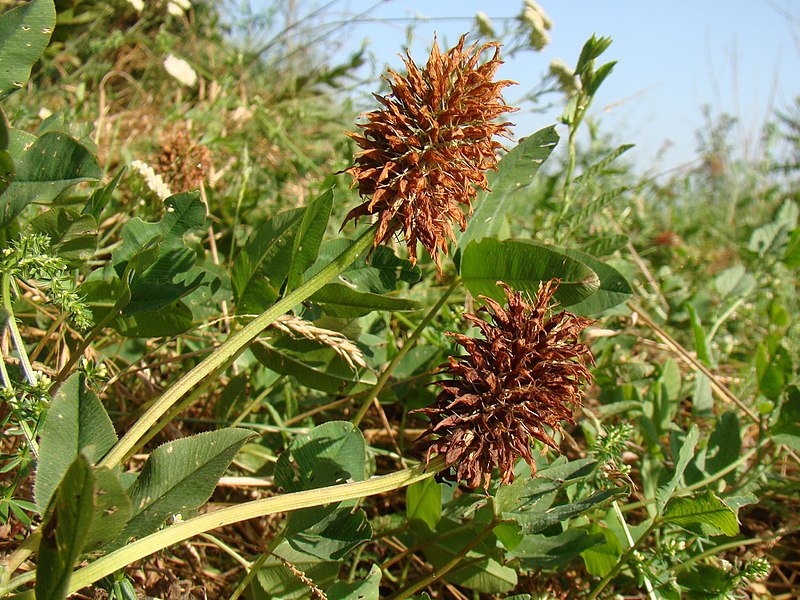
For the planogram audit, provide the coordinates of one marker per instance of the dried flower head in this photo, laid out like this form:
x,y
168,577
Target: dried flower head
x,y
514,386
426,151
183,162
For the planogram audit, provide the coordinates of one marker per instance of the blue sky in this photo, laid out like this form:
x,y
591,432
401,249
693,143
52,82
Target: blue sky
x,y
740,57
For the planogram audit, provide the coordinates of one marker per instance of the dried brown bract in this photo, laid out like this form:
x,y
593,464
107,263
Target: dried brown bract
x,y
183,162
514,386
426,151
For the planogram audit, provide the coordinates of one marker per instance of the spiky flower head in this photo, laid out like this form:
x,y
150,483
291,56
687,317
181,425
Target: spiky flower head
x,y
514,386
425,153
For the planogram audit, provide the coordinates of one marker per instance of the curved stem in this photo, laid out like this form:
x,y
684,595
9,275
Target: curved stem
x,y
407,345
229,350
257,508
683,565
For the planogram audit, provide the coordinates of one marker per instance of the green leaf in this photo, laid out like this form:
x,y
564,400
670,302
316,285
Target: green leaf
x,y
180,476
168,321
183,213
613,289
103,291
523,265
685,455
73,236
381,274
599,76
591,50
602,558
7,172
548,552
112,509
702,513
276,580
791,256
424,502
46,166
700,344
264,262
702,398
366,589
525,491
162,264
535,521
601,166
772,369
773,238
479,571
340,300
734,282
329,454
65,531
787,428
515,173
24,34
724,445
101,197
76,423
706,581
670,379
327,532
309,237
311,364
485,575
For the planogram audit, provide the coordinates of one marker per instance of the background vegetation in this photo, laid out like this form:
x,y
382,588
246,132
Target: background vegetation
x,y
152,207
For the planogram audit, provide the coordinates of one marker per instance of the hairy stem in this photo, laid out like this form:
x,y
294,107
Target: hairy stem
x,y
257,508
235,345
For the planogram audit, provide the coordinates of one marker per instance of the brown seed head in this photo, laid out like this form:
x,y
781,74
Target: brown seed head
x,y
514,386
426,151
183,162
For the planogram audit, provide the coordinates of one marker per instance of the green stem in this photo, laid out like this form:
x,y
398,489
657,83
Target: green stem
x,y
446,568
621,562
24,362
16,338
257,564
651,593
233,514
567,199
249,576
229,350
683,565
407,345
245,160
